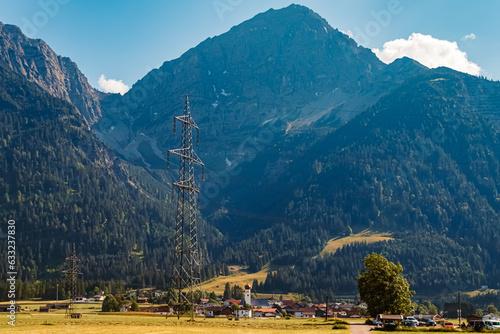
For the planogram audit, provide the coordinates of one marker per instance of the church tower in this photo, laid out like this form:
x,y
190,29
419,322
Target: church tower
x,y
248,296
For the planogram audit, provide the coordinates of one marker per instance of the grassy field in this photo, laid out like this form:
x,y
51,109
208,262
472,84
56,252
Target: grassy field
x,y
364,236
241,277
135,323
238,276
480,292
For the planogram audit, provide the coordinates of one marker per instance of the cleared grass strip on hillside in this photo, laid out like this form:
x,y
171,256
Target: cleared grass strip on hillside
x,y
238,277
364,236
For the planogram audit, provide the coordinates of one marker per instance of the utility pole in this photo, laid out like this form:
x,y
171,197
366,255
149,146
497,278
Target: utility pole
x,y
186,271
326,313
72,276
459,311
57,292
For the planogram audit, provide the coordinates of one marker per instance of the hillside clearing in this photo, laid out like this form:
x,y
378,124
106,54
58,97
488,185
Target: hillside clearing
x,y
476,293
239,276
363,236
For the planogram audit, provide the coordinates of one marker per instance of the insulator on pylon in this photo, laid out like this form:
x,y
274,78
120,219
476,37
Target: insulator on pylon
x,y
197,137
168,159
203,173
174,126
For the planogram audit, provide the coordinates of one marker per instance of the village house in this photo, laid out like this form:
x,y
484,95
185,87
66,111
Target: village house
x,y
491,317
473,318
256,302
218,311
98,298
242,313
230,302
320,312
207,305
4,308
158,293
160,309
142,300
57,306
353,313
125,308
265,313
338,312
44,309
434,317
285,303
307,312
290,307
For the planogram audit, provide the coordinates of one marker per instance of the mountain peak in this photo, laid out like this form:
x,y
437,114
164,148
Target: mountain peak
x,y
291,16
38,63
406,67
294,9
259,71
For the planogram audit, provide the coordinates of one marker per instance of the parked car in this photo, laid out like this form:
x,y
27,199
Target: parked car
x,y
410,322
426,322
448,325
390,325
490,324
430,322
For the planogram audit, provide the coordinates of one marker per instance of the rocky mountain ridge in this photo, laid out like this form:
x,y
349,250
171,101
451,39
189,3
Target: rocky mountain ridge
x,y
59,76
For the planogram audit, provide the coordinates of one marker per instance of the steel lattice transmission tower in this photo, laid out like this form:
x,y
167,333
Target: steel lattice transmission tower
x,y
72,276
186,271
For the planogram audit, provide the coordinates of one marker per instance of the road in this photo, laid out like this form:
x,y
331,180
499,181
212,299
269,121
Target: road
x,y
360,328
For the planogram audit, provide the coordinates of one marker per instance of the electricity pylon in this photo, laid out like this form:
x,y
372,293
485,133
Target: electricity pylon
x,y
72,276
186,272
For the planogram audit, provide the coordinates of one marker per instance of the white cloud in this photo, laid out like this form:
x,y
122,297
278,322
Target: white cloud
x,y
112,85
429,51
469,36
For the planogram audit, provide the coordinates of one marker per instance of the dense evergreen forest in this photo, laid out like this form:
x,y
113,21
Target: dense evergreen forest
x,y
62,185
432,263
425,160
422,164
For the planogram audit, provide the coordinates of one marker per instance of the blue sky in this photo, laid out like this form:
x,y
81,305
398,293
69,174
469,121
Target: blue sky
x,y
125,39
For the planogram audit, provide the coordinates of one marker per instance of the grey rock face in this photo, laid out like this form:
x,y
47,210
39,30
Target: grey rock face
x,y
59,76
287,68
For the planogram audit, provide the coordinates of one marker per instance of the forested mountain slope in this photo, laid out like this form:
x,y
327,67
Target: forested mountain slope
x,y
424,160
62,185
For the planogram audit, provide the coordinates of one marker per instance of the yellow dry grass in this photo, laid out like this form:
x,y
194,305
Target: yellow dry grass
x,y
480,292
130,323
364,236
34,305
239,276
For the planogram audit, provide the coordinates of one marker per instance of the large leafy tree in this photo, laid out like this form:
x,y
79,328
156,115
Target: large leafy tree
x,y
383,288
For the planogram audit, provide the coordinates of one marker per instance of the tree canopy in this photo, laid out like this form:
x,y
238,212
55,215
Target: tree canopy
x,y
383,288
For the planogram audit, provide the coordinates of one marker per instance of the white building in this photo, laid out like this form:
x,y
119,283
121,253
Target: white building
x,y
248,294
491,317
99,298
243,313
